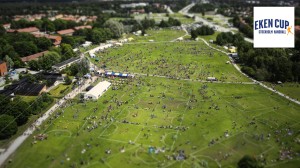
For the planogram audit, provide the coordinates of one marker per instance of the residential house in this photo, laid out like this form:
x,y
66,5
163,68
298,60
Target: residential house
x,y
3,68
66,32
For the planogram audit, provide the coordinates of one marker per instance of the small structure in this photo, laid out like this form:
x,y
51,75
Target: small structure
x,y
3,68
211,41
97,90
66,63
86,44
212,79
83,27
92,55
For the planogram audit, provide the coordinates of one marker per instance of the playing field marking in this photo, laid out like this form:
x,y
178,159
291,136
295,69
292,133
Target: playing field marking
x,y
70,133
115,118
113,140
218,163
180,122
216,143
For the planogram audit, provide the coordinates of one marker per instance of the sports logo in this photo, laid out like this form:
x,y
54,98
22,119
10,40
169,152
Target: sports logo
x,y
273,27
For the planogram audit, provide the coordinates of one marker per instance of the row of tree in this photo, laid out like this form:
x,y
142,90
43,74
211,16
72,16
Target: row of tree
x,y
16,112
265,64
45,24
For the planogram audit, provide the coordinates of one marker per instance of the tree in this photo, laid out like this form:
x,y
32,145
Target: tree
x,y
8,126
43,43
19,110
34,65
67,51
9,62
116,27
248,162
2,30
25,48
68,80
48,60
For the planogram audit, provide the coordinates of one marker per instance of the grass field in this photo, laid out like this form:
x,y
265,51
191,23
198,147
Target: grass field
x,y
215,124
60,90
188,60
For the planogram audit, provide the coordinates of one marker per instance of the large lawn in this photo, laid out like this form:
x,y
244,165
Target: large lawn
x,y
215,124
188,60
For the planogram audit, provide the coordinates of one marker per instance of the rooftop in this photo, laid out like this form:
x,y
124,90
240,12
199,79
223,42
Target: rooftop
x,y
66,31
67,62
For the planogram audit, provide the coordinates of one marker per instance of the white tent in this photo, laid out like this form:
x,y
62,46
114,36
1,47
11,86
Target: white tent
x,y
97,90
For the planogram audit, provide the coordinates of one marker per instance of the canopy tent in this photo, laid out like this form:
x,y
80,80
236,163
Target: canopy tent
x,y
97,90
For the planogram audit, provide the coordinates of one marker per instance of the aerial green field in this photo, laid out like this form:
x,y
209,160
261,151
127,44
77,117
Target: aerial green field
x,y
184,60
214,124
168,115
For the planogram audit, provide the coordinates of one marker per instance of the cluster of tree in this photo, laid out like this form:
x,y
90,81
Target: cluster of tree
x,y
132,25
54,56
202,8
171,22
78,69
266,64
203,31
228,38
96,35
16,112
16,45
45,24
245,26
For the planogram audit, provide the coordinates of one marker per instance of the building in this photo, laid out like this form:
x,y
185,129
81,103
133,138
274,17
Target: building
x,y
97,90
83,27
23,87
6,26
34,56
3,68
28,30
66,32
56,40
65,64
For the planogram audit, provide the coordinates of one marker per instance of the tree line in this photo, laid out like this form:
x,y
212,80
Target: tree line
x,y
264,64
